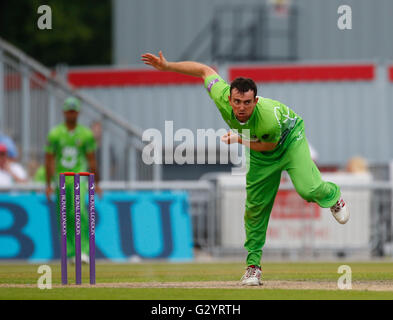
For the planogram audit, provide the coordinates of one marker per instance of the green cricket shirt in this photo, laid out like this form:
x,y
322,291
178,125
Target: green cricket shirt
x,y
271,121
70,147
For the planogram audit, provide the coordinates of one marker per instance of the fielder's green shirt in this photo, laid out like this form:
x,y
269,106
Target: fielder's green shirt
x,y
271,121
70,147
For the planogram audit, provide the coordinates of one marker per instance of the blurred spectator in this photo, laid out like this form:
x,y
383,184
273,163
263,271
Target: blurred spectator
x,y
11,147
10,171
357,165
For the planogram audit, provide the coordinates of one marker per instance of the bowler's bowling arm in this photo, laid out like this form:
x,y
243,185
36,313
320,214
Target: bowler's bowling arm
x,y
191,68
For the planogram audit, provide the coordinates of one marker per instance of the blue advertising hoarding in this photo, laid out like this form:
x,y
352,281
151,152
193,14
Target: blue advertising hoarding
x,y
148,225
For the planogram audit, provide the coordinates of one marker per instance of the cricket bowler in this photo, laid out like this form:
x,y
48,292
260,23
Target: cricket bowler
x,y
276,142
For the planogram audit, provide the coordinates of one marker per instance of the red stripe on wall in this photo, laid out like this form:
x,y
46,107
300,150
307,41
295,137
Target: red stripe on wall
x,y
304,73
13,81
390,73
279,73
108,78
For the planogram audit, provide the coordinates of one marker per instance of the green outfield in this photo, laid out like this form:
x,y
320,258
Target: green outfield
x,y
211,281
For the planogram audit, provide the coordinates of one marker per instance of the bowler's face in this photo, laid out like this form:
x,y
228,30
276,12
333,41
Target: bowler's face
x,y
243,104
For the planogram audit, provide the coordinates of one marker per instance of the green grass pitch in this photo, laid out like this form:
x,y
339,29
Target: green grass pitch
x,y
135,282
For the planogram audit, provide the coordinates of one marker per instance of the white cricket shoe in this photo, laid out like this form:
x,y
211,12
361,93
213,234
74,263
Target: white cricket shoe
x,y
85,258
340,211
252,276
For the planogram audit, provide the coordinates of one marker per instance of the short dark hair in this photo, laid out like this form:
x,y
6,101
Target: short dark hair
x,y
243,85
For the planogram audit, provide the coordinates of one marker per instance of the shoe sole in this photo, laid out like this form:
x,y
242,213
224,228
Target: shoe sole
x,y
346,218
342,222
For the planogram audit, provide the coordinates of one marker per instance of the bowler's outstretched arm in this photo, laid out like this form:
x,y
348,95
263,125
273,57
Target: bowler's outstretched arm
x,y
191,68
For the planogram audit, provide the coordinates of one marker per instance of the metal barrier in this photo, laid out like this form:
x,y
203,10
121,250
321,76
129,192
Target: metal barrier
x,y
217,219
31,97
202,205
201,196
298,229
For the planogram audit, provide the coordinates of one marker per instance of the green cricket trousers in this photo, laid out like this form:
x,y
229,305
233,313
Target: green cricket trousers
x,y
263,180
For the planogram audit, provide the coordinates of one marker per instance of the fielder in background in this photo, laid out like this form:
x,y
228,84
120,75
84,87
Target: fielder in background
x,y
71,148
274,136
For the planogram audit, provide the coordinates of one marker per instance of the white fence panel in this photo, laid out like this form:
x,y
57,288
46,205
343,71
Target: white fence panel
x,y
297,224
